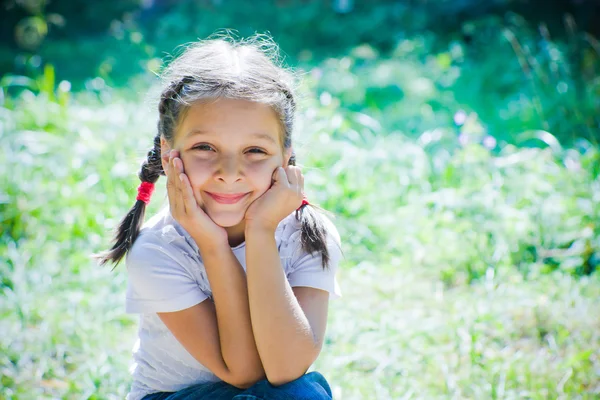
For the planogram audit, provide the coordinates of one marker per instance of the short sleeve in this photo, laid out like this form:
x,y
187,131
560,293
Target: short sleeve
x,y
307,269
159,279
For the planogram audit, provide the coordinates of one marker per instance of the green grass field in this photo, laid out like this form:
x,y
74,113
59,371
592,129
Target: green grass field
x,y
470,269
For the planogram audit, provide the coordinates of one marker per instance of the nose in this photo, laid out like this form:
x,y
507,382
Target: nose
x,y
229,170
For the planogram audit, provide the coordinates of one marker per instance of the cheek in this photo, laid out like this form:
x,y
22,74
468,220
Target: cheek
x,y
262,174
197,169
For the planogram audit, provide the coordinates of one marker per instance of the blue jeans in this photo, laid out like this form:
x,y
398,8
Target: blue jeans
x,y
311,386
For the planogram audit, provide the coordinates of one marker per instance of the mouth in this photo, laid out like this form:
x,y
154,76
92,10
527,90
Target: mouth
x,y
224,198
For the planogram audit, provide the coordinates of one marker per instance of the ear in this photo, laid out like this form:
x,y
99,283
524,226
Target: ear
x,y
165,149
287,154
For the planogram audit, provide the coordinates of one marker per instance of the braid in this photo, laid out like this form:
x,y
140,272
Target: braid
x,y
151,168
313,237
170,93
129,228
169,109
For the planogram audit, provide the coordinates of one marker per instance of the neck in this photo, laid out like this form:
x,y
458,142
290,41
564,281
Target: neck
x,y
236,234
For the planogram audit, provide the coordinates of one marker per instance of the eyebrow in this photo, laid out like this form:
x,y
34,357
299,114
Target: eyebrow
x,y
259,135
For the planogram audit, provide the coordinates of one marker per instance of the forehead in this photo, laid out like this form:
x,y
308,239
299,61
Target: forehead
x,y
230,118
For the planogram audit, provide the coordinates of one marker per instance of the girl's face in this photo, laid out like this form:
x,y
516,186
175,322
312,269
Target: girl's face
x,y
230,149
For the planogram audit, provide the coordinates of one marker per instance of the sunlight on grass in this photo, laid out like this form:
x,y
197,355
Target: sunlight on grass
x,y
470,264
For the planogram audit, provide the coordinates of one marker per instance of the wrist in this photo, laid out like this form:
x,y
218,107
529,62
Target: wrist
x,y
211,246
255,227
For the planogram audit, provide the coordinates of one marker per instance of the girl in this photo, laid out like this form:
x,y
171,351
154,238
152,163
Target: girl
x,y
231,280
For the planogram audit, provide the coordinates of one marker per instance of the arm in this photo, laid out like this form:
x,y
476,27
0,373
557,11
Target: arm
x,y
219,334
288,324
230,293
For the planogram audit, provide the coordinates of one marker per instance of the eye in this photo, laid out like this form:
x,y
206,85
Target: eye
x,y
256,150
203,147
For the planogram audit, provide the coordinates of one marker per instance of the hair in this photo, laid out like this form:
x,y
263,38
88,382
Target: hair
x,y
222,67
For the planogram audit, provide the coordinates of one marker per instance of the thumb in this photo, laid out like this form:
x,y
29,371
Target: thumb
x,y
279,176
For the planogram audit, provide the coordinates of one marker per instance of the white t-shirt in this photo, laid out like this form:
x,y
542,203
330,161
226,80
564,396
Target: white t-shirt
x,y
166,273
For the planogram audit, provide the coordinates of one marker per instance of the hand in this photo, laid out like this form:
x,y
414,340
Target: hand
x,y
185,208
283,197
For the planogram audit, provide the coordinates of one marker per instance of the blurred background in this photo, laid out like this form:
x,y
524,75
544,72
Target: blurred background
x,y
456,142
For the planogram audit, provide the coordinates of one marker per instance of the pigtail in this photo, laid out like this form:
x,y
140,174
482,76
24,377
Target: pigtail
x,y
151,169
313,236
129,227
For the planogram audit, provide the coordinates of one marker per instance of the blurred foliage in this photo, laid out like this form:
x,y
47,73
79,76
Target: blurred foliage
x,y
440,209
453,166
513,76
464,171
513,79
467,206
112,36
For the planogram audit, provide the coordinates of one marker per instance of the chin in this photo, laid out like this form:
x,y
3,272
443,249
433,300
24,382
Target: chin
x,y
227,219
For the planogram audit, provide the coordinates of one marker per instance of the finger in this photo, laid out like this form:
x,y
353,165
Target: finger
x,y
170,182
280,177
294,176
302,184
186,186
173,188
187,195
178,162
177,172
297,185
290,172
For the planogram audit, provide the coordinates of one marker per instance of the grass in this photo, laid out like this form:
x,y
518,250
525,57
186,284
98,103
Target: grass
x,y
402,335
470,268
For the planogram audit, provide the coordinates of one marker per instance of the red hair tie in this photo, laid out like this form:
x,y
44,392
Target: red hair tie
x,y
304,203
145,192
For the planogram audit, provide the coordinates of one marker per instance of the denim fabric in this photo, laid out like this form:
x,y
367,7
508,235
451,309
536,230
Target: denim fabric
x,y
311,386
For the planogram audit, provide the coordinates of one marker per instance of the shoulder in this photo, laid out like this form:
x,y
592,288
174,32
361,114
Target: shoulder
x,y
161,248
289,230
291,251
152,256
164,272
308,269
161,235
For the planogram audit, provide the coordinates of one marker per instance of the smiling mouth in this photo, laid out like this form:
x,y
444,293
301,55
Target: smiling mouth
x,y
227,198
